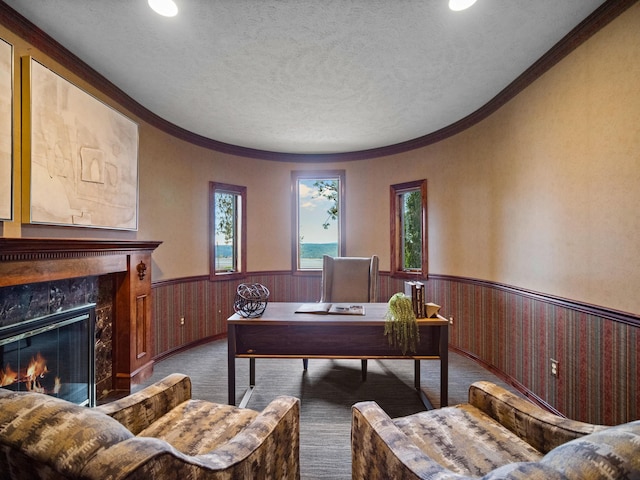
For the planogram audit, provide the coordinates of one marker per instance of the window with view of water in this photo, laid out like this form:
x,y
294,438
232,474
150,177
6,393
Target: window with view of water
x,y
318,220
408,229
227,229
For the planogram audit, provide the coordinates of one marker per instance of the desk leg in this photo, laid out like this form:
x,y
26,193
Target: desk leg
x,y
416,381
252,383
444,366
231,363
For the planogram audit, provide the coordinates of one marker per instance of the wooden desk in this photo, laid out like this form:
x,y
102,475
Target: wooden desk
x,y
282,333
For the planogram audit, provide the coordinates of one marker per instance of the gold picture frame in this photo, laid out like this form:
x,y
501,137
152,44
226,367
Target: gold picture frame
x,y
80,156
6,130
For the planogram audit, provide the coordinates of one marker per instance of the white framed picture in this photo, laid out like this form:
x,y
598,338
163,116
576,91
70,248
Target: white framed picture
x,y
6,130
80,155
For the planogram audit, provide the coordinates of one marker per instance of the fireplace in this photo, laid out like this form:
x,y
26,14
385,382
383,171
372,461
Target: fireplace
x,y
53,354
122,270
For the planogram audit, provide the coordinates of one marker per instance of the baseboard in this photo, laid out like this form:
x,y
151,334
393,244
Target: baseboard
x,y
508,379
188,346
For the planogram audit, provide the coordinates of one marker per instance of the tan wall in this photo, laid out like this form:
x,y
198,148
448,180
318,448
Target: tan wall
x,y
542,195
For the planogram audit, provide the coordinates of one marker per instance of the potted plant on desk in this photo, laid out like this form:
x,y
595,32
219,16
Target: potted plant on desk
x,y
401,326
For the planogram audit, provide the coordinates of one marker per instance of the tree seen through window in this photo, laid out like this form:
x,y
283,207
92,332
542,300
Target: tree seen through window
x,y
318,217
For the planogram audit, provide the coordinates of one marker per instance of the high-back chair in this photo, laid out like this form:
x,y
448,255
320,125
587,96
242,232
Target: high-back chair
x,y
349,280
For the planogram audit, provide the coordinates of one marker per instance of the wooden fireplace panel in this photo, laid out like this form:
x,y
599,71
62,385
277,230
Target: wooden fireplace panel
x,y
142,321
34,260
132,362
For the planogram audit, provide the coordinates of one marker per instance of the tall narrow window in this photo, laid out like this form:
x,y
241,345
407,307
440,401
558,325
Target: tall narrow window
x,y
409,229
227,230
318,217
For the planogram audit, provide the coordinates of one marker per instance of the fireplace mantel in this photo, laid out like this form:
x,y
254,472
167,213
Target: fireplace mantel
x,y
33,260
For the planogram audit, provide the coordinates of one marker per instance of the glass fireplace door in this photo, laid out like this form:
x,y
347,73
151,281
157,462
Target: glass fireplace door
x,y
51,355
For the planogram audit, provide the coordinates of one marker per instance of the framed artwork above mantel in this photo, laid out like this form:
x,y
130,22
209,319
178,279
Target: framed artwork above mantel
x,y
6,130
80,156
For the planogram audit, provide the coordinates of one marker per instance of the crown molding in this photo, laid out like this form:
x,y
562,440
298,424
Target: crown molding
x,y
22,27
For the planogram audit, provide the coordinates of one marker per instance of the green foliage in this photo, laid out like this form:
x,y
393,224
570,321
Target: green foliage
x,y
400,324
225,218
328,189
412,230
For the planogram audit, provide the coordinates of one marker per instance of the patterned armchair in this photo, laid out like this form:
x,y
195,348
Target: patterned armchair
x,y
158,432
497,435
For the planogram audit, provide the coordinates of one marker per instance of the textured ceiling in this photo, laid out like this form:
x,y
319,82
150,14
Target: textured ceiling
x,y
309,76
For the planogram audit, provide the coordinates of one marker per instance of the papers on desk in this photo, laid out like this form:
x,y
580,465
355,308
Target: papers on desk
x,y
331,308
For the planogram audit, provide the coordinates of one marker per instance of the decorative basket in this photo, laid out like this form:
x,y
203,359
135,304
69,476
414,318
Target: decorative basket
x,y
251,299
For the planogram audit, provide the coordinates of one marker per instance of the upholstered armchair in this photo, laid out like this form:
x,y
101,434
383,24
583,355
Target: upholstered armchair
x,y
497,435
158,432
349,280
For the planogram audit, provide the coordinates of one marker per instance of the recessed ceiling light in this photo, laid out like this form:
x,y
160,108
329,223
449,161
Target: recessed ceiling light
x,y
167,8
457,5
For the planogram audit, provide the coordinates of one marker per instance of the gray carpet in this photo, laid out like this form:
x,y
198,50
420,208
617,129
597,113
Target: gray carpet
x,y
326,391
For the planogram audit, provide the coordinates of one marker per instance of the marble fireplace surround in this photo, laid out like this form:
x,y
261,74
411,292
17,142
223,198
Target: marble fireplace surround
x,y
114,273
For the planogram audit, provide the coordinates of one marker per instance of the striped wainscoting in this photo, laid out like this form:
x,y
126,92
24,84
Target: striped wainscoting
x,y
512,332
205,305
516,334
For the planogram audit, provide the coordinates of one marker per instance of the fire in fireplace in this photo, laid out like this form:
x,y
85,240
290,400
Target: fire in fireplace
x,y
53,354
31,377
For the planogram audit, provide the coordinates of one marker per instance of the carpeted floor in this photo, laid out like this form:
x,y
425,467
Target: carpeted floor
x,y
327,390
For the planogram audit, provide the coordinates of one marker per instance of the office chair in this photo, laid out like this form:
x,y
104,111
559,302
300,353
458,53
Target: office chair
x,y
349,280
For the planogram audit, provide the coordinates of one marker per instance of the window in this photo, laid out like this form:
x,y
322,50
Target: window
x,y
227,230
318,217
409,229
